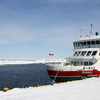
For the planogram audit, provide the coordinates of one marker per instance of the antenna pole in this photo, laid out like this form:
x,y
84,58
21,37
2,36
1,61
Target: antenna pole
x,y
80,33
91,29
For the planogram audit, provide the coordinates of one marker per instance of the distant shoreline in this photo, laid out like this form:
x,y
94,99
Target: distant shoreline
x,y
27,61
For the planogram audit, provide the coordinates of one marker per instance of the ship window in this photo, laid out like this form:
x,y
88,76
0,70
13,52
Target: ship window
x,y
83,53
77,44
97,42
81,43
90,63
89,53
81,63
88,42
75,54
78,53
85,63
84,43
94,53
75,63
93,42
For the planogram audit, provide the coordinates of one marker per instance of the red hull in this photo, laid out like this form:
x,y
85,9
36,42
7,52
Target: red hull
x,y
74,73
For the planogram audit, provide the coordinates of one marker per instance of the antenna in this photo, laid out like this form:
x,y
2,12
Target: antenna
x,y
86,30
80,32
91,30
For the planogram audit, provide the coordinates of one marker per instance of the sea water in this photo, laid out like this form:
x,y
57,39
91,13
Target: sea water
x,y
17,76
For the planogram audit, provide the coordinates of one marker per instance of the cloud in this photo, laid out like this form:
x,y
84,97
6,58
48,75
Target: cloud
x,y
42,24
57,36
49,35
12,34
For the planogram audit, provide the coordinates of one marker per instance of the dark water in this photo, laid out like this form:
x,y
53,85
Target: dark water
x,y
14,76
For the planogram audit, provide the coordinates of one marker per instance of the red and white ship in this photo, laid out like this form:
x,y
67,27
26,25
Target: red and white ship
x,y
84,63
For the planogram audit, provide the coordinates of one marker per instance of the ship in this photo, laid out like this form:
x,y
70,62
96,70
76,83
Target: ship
x,y
84,63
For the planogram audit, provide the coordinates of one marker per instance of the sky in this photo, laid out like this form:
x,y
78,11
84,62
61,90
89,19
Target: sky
x,y
35,28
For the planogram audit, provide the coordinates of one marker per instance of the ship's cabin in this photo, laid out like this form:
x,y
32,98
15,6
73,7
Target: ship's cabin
x,y
85,58
86,51
88,42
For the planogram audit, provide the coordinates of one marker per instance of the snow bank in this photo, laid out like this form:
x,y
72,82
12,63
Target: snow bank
x,y
29,61
88,89
20,61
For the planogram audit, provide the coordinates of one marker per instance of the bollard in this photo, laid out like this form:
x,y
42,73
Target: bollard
x,y
26,87
22,87
52,83
5,89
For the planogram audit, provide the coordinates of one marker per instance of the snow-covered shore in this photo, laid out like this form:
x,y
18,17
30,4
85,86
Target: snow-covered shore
x,y
88,89
27,61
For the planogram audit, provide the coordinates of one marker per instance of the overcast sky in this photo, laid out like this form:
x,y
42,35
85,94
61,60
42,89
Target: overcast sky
x,y
35,28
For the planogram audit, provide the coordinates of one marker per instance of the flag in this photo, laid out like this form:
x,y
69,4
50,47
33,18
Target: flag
x,y
51,54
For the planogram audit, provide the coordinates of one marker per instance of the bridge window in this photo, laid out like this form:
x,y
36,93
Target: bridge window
x,y
78,53
75,54
81,43
84,43
98,42
94,53
77,44
89,53
88,42
83,53
93,42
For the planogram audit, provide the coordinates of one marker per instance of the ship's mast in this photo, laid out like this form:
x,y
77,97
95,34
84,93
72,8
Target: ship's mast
x,y
91,30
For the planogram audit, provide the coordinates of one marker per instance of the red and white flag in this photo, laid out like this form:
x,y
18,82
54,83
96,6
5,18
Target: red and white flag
x,y
51,54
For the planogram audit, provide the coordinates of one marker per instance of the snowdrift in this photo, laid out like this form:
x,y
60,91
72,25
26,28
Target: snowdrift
x,y
88,89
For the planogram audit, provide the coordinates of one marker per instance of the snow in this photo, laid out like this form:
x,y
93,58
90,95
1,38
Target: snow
x,y
27,61
88,89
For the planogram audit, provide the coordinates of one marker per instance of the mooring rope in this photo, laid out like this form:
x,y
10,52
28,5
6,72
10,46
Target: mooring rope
x,y
55,77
